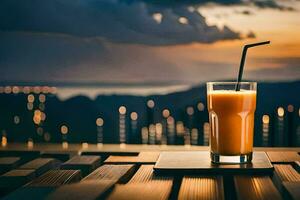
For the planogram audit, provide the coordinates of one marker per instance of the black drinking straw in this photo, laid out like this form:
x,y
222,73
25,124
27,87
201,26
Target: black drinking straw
x,y
246,47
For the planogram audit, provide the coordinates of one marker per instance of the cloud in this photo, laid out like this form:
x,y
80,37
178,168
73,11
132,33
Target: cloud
x,y
115,21
245,12
257,3
279,74
54,57
271,4
283,69
251,34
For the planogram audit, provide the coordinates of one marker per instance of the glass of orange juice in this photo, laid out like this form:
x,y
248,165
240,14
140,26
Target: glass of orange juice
x,y
231,117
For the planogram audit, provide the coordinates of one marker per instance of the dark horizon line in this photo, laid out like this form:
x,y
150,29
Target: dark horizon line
x,y
120,84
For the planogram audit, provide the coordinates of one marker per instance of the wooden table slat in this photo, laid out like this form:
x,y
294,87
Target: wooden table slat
x,y
142,158
201,187
8,163
283,156
63,156
86,164
115,173
255,187
140,191
286,173
25,155
33,193
41,165
15,179
292,190
54,178
146,174
87,190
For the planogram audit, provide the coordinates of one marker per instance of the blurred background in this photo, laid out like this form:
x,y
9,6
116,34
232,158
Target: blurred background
x,y
134,71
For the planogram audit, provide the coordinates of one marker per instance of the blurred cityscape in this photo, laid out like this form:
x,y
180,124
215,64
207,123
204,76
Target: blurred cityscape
x,y
35,114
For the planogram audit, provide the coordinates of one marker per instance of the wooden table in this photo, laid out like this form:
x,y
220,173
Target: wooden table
x,y
126,172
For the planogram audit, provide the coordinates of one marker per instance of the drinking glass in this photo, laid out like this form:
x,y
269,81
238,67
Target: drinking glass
x,y
231,117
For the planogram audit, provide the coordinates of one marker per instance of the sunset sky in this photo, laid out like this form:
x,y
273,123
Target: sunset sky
x,y
136,41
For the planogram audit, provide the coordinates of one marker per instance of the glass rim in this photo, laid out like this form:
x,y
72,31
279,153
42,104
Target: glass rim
x,y
230,82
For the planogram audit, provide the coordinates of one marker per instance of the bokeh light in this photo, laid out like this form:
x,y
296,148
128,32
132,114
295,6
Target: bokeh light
x,y
266,119
290,108
16,119
133,116
150,103
190,110
280,111
7,90
47,137
42,98
122,110
64,129
99,121
200,106
30,98
166,113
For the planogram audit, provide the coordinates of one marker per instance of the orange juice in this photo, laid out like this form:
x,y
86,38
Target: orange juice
x,y
231,116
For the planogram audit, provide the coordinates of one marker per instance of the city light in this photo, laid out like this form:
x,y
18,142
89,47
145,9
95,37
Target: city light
x,y
144,133
42,106
39,131
99,121
133,116
166,113
206,133
194,136
53,90
190,110
36,89
37,117
30,106
45,89
180,128
47,137
122,110
152,134
265,119
4,141
64,129
85,145
200,106
30,98
122,124
170,120
7,90
150,103
265,130
280,111
42,98
30,143
65,145
26,90
99,145
15,89
16,119
290,108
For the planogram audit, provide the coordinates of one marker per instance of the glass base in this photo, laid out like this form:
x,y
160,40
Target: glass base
x,y
239,159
